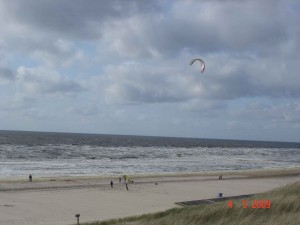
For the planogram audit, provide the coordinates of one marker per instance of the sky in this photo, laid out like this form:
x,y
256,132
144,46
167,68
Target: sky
x,y
122,67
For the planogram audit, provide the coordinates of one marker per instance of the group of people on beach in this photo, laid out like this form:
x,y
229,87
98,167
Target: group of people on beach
x,y
126,181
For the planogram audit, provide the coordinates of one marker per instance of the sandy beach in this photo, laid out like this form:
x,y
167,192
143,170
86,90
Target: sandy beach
x,y
56,201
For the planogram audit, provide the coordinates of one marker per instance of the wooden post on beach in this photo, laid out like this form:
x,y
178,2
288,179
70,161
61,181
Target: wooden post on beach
x,y
77,215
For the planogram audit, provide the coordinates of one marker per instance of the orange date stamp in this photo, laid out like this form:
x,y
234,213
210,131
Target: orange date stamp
x,y
254,204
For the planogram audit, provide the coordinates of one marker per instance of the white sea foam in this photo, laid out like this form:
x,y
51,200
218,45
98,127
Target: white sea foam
x,y
72,160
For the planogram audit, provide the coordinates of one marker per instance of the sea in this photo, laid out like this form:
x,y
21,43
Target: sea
x,y
46,154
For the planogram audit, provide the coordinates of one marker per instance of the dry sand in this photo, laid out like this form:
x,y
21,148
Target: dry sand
x,y
56,202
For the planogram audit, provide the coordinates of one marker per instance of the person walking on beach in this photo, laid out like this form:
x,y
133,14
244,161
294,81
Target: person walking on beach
x,y
111,184
30,178
120,179
126,184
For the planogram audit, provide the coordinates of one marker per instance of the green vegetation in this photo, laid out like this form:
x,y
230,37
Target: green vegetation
x,y
285,209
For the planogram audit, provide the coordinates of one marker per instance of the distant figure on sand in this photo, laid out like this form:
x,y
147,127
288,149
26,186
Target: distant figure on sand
x,y
126,184
220,177
120,179
30,178
111,184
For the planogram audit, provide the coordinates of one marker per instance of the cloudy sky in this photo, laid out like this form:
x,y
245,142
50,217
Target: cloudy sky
x,y
122,67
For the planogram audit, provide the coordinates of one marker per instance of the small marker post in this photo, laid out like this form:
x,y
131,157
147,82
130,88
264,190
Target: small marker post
x,y
77,215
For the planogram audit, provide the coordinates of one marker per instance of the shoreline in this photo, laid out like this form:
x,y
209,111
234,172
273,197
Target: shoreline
x,y
81,182
276,171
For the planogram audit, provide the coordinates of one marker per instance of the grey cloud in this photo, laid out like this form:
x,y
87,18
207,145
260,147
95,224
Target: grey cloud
x,y
244,26
80,19
149,28
134,83
7,73
160,31
157,28
226,78
39,80
50,51
205,108
34,27
86,110
277,112
17,103
234,77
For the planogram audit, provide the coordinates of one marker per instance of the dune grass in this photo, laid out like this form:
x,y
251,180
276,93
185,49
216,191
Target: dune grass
x,y
285,209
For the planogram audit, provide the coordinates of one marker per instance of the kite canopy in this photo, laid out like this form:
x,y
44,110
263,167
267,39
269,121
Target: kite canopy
x,y
202,64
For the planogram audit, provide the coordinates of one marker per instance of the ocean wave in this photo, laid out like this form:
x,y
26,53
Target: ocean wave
x,y
98,157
